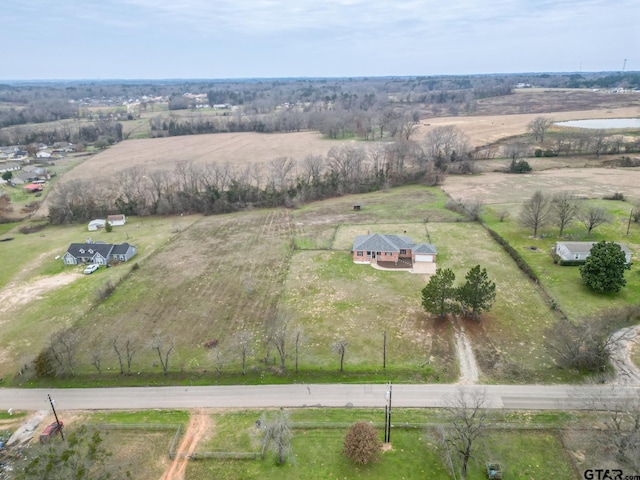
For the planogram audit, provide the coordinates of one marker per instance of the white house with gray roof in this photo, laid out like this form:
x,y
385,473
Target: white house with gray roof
x,y
394,251
579,251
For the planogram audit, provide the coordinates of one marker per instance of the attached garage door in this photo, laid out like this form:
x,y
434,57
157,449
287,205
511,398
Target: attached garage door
x,y
424,258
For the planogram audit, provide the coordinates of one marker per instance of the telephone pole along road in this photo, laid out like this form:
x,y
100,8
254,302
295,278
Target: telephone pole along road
x,y
517,397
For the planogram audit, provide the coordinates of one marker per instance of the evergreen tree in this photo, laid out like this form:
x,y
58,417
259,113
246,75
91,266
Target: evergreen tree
x,y
439,294
478,293
603,271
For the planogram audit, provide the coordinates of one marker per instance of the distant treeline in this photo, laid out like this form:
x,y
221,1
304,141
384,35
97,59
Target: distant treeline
x,y
213,188
100,133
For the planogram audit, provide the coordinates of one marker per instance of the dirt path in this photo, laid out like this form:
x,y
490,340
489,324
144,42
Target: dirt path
x,y
199,425
627,373
469,371
16,294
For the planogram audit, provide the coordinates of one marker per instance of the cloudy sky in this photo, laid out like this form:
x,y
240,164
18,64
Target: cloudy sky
x,y
157,39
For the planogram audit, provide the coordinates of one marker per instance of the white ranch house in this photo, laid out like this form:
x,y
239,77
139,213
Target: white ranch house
x,y
579,251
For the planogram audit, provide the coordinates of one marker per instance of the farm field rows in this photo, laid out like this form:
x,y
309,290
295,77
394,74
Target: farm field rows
x,y
202,280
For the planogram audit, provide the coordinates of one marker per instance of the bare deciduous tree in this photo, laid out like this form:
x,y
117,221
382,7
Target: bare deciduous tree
x,y
130,349
277,434
535,212
242,342
593,217
96,360
473,208
467,417
298,338
564,210
340,347
278,334
63,348
585,345
515,151
443,145
619,413
538,127
158,344
598,141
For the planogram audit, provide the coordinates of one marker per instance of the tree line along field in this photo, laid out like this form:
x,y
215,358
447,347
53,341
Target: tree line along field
x,y
199,281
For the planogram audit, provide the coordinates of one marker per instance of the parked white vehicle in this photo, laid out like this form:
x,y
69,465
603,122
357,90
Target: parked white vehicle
x,y
91,268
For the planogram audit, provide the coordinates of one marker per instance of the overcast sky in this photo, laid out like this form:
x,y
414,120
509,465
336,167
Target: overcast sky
x,y
157,39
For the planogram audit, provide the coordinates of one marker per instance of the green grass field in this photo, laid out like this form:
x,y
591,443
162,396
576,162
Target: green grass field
x,y
203,279
563,283
416,452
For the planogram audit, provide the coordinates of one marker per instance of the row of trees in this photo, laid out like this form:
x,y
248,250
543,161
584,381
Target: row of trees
x,y
67,351
100,133
476,295
560,211
214,188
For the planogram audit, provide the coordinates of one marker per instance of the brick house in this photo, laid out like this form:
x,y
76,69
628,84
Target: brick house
x,y
394,251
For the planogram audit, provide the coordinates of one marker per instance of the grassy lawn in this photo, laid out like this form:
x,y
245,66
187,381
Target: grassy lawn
x,y
416,452
203,279
564,283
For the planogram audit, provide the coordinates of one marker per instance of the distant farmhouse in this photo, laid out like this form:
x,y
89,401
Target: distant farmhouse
x,y
394,251
99,223
574,253
99,253
117,220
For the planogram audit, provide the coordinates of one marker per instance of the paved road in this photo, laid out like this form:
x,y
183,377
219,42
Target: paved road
x,y
527,397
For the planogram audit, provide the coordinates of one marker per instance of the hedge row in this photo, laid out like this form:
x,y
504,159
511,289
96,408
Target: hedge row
x,y
570,263
522,264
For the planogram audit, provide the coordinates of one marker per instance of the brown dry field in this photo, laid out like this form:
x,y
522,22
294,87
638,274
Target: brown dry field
x,y
503,188
242,149
485,130
236,149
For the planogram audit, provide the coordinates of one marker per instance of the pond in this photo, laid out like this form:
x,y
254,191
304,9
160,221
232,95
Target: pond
x,y
602,123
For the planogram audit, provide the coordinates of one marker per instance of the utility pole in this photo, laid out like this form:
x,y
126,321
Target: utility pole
x,y
384,350
629,224
387,416
55,415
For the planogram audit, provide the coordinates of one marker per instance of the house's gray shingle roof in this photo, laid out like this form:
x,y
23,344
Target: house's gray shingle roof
x,y
120,249
390,243
585,247
90,249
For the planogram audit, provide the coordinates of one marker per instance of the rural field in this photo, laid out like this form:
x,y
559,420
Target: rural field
x,y
226,444
206,292
497,119
202,280
206,295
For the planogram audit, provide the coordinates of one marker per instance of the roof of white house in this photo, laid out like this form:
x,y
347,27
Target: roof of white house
x,y
585,247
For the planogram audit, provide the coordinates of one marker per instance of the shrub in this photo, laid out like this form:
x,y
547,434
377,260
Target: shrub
x,y
521,166
616,196
103,292
361,444
32,228
42,365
